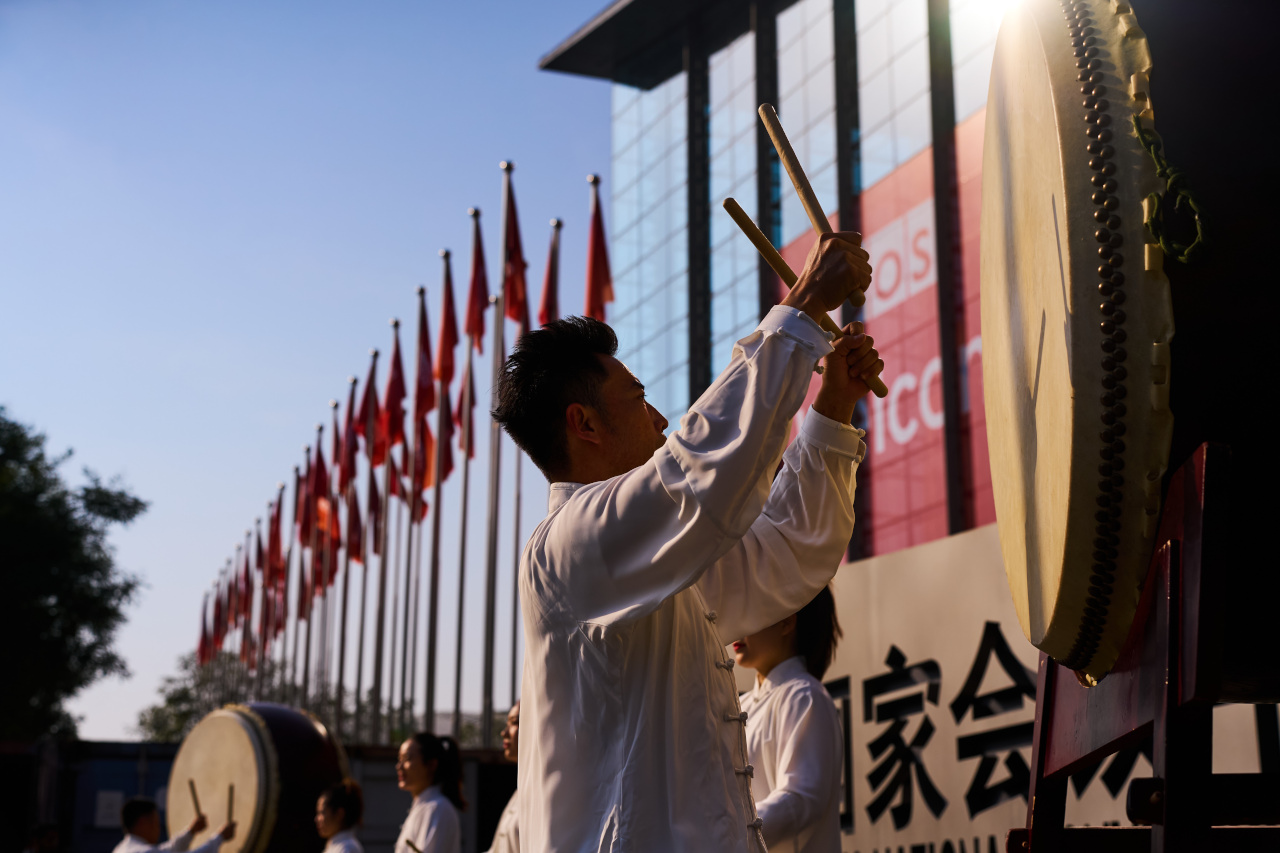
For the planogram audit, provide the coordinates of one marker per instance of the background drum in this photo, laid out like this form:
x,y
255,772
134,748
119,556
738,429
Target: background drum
x,y
1090,397
279,761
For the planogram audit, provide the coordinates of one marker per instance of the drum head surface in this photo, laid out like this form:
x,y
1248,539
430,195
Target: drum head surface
x,y
226,748
1076,321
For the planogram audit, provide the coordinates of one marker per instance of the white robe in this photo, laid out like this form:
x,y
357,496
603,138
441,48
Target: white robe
x,y
179,843
432,825
344,842
506,838
631,734
796,747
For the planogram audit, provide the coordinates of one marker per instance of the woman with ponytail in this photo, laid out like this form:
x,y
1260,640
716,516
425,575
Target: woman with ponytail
x,y
430,769
793,731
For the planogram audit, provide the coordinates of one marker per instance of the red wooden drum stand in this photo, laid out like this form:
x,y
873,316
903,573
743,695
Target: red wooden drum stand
x,y
1164,686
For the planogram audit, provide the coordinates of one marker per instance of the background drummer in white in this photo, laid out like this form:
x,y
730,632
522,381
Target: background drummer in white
x,y
140,819
506,838
794,741
655,553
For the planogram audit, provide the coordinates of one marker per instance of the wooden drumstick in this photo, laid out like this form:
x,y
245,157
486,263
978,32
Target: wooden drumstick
x,y
779,266
789,162
803,189
195,800
231,802
415,848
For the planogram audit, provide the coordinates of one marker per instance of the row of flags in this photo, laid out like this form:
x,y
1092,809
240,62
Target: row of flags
x,y
330,529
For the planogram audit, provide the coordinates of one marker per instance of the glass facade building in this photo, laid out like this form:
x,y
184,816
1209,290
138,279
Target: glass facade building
x,y
883,125
650,233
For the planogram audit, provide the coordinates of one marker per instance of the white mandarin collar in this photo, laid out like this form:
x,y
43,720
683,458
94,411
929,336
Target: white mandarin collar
x,y
560,494
790,668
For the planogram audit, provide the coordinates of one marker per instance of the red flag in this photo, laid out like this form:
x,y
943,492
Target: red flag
x,y
282,608
204,647
515,292
424,390
304,511
347,469
446,440
448,329
355,533
233,593
391,426
463,417
478,295
275,547
424,468
550,308
375,515
304,593
219,615
599,280
369,412
246,589
397,489
260,559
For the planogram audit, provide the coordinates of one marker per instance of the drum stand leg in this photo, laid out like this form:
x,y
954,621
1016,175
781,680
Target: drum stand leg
x,y
1184,807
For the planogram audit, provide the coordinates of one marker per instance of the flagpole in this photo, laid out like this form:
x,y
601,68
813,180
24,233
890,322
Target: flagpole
x,y
246,631
261,655
346,567
462,539
370,437
327,569
413,640
393,644
408,576
443,411
286,681
380,626
495,478
311,573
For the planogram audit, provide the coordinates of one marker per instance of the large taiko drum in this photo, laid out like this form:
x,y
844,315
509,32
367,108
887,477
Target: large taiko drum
x,y
274,760
1092,254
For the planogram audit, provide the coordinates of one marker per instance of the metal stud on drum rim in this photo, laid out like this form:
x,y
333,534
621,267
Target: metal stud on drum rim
x,y
1075,323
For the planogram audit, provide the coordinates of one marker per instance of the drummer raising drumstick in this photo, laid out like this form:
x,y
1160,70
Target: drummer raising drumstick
x,y
657,551
140,819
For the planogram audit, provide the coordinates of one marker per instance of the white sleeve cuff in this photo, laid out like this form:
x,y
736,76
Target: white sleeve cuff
x,y
800,327
821,431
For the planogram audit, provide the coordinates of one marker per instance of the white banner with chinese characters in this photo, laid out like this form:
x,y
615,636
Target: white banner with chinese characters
x,y
936,683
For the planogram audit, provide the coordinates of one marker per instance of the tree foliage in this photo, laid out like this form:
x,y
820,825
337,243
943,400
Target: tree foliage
x,y
63,594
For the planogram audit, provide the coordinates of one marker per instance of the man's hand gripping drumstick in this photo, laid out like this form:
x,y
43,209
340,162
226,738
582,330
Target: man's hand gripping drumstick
x,y
858,257
823,266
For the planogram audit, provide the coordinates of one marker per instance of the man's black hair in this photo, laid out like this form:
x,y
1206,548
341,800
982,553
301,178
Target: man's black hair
x,y
134,810
550,369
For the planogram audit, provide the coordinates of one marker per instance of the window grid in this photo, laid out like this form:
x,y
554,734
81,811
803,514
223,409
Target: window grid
x,y
807,105
735,299
650,244
893,84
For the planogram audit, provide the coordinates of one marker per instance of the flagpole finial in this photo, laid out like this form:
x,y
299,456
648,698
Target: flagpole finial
x,y
374,352
306,450
593,179
333,404
319,428
473,212
395,323
507,166
351,380
493,300
422,292
556,223
444,253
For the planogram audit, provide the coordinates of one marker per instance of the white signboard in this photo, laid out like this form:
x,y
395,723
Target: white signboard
x,y
936,684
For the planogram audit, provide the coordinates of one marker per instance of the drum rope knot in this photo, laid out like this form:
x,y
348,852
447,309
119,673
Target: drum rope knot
x,y
1175,183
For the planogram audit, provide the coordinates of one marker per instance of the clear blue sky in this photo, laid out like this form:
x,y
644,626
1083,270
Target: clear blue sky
x,y
208,213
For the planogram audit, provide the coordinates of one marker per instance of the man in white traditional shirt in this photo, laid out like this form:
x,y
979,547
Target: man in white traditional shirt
x,y
140,819
657,552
